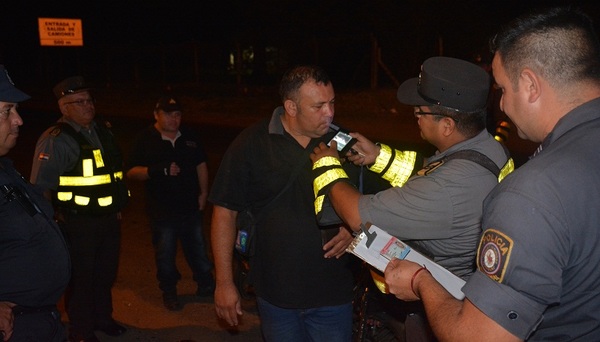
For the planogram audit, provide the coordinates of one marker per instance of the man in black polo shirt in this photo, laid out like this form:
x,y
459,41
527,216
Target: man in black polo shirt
x,y
304,288
171,161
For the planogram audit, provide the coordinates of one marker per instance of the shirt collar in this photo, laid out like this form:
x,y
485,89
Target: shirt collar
x,y
275,125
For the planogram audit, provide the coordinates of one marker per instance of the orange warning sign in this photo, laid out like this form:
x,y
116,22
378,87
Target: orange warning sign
x,y
60,32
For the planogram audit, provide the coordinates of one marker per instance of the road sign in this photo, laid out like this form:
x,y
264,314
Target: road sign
x,y
60,32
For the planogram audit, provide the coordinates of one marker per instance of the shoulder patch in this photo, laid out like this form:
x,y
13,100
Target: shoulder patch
x,y
55,131
493,254
429,168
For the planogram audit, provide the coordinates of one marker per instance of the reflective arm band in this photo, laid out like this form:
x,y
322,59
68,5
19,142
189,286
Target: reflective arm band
x,y
506,169
328,171
393,165
327,161
383,159
328,178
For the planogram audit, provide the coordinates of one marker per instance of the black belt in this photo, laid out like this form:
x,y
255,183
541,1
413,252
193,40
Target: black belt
x,y
25,310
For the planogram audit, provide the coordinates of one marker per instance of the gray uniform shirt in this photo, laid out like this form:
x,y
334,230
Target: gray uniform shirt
x,y
441,211
538,261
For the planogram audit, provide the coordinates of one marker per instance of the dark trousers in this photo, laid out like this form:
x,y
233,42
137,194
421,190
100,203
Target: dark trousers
x,y
187,230
94,243
37,324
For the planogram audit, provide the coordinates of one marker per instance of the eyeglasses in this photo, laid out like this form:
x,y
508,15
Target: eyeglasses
x,y
82,103
419,112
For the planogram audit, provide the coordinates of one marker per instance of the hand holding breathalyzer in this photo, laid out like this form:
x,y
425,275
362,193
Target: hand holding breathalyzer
x,y
364,151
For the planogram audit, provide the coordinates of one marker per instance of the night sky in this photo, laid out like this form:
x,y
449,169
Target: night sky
x,y
407,30
151,21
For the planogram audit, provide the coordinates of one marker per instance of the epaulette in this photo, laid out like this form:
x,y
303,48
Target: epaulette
x,y
56,131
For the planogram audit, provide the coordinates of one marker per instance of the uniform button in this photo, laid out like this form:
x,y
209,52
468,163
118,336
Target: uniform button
x,y
512,315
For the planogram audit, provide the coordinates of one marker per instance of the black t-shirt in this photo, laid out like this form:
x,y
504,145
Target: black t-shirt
x,y
289,269
167,197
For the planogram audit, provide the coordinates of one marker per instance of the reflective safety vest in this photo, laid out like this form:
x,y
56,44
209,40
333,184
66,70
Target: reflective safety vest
x,y
95,185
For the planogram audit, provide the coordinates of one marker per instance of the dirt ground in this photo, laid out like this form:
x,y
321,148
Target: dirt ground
x,y
136,298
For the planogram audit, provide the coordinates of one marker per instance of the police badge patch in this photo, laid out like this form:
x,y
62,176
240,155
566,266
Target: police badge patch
x,y
493,254
429,168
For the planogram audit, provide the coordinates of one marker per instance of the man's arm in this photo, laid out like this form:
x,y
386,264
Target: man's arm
x,y
343,196
227,298
142,173
202,171
139,173
450,319
6,320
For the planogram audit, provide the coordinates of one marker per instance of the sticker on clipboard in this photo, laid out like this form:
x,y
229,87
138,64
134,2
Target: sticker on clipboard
x,y
395,249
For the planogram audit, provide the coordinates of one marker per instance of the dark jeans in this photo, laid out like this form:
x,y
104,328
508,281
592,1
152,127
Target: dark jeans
x,y
94,243
327,323
43,325
187,229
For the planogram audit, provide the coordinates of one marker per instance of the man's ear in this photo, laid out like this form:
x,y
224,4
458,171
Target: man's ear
x,y
449,125
62,107
531,83
290,107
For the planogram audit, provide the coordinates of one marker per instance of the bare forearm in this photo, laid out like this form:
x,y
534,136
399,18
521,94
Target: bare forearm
x,y
344,198
222,241
457,320
138,173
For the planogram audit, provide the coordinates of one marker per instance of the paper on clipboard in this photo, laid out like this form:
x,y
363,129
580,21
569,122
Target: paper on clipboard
x,y
377,247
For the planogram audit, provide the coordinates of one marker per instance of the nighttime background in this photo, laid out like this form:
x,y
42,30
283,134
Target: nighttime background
x,y
246,42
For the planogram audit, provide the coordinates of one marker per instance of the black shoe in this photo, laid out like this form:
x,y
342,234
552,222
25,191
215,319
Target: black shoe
x,y
205,291
112,329
171,302
74,337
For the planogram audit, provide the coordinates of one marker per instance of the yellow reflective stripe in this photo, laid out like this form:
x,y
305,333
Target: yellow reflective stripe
x,y
379,281
88,167
98,158
82,200
105,201
401,168
326,161
319,204
506,169
84,181
327,177
382,160
87,181
64,196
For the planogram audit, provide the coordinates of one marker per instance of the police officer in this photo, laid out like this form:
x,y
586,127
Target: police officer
x,y
34,259
79,164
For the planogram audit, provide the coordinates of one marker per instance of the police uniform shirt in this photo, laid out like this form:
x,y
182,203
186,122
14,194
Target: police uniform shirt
x,y
34,260
442,208
538,257
57,152
289,269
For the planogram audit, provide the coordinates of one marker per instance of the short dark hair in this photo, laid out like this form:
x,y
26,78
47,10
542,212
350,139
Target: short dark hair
x,y
468,123
559,43
294,78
